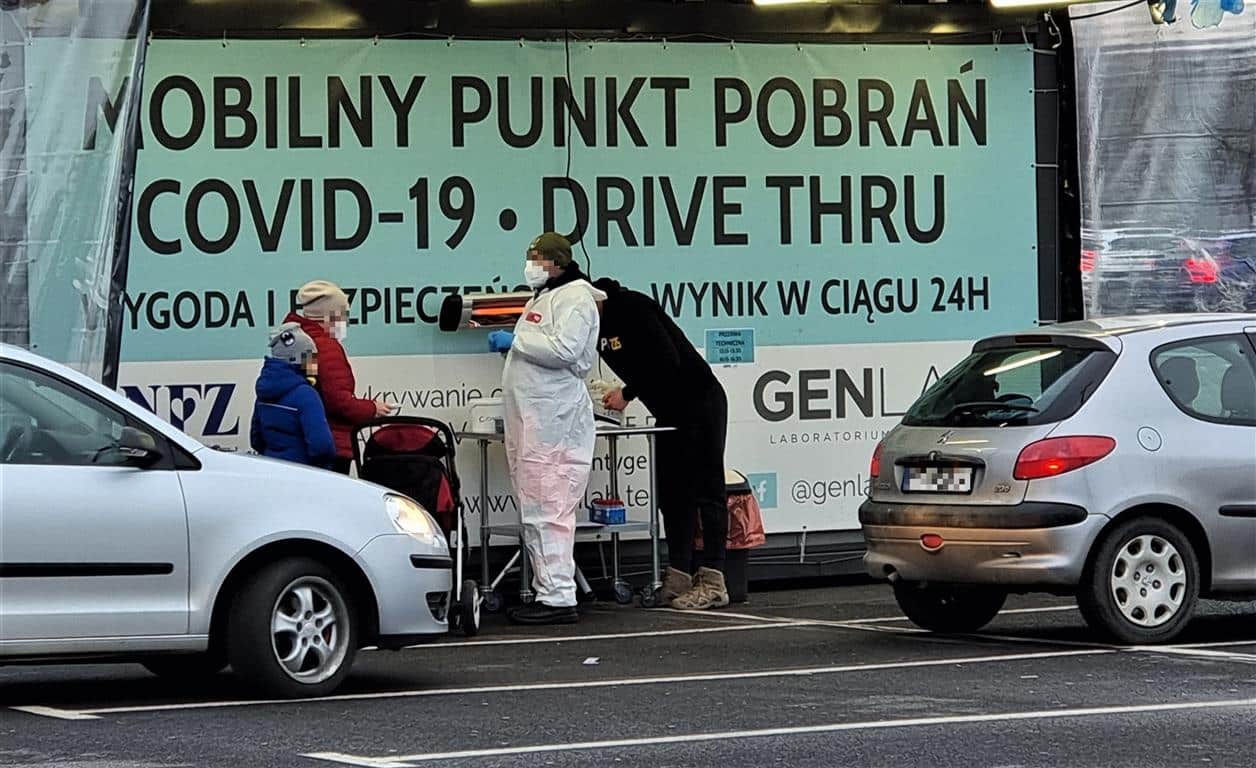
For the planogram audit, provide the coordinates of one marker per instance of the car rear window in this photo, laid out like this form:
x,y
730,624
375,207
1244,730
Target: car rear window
x,y
1012,386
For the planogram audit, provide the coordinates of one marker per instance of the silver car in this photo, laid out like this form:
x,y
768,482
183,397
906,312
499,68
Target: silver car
x,y
121,538
1114,460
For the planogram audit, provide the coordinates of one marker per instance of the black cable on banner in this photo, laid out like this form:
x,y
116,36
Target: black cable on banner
x,y
1118,9
567,139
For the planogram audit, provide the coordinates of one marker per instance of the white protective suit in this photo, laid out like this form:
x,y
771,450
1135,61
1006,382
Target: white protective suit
x,y
550,429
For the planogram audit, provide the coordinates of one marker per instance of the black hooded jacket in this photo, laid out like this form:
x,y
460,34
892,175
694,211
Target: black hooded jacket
x,y
649,352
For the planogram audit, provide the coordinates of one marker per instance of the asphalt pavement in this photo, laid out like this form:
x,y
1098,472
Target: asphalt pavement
x,y
823,676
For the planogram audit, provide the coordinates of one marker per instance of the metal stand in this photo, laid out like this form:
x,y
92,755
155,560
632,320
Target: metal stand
x,y
488,595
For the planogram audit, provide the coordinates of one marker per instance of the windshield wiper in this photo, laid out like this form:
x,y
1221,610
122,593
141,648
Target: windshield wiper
x,y
990,405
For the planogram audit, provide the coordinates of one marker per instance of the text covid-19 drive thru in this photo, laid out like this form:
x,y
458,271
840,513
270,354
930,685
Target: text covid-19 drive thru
x,y
1111,459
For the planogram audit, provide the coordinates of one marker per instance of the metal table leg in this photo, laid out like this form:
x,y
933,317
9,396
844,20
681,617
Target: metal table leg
x,y
526,594
657,584
486,578
623,590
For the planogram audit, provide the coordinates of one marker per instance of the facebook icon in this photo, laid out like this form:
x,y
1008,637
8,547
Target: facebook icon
x,y
763,485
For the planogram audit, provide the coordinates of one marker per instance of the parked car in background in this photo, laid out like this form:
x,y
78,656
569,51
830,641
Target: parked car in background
x,y
1114,460
1221,272
122,539
1133,271
1141,271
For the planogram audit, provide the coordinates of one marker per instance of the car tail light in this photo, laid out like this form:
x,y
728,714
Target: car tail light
x,y
875,470
1203,271
1057,455
1088,260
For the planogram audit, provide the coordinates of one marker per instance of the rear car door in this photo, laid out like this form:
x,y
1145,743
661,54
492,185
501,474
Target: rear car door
x,y
1212,381
90,545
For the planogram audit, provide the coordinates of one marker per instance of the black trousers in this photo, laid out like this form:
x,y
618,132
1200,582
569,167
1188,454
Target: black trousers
x,y
690,476
342,465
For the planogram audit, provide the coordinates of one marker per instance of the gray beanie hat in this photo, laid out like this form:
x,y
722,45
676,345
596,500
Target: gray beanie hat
x,y
291,344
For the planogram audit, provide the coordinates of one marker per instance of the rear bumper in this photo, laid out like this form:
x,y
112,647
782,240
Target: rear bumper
x,y
1028,545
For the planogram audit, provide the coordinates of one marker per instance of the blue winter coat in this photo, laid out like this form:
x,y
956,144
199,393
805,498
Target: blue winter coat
x,y
288,420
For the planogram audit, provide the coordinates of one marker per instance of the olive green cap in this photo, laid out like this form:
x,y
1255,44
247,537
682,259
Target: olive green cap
x,y
552,246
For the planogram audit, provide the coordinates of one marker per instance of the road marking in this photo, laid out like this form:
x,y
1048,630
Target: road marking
x,y
615,683
805,730
1005,612
1217,644
60,714
1199,652
780,624
367,762
850,622
722,614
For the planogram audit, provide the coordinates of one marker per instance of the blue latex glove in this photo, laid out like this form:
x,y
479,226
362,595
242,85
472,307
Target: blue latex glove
x,y
500,341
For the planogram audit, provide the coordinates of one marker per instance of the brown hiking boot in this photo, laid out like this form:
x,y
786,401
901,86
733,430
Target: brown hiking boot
x,y
675,584
709,591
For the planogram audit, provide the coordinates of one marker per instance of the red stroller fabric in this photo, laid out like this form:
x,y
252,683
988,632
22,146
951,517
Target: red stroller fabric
x,y
413,459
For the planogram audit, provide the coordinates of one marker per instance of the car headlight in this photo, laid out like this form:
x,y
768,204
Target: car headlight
x,y
410,517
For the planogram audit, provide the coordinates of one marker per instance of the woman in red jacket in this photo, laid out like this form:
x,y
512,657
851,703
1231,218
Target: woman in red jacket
x,y
324,317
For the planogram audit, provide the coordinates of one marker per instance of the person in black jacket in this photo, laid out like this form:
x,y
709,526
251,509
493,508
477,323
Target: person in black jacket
x,y
658,365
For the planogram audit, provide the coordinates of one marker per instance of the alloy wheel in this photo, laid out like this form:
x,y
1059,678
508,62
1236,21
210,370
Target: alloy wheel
x,y
309,632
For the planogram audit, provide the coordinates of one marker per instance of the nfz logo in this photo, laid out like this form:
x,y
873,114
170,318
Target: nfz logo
x,y
763,485
179,403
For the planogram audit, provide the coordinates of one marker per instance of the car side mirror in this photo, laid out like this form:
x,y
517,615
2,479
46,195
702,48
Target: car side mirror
x,y
138,448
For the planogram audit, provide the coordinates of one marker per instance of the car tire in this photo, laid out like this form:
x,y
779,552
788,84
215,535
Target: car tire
x,y
292,631
1110,596
186,666
950,609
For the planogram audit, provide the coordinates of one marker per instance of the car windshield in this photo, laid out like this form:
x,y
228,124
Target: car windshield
x,y
1015,386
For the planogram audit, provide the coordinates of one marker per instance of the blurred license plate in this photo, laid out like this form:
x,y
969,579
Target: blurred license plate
x,y
938,479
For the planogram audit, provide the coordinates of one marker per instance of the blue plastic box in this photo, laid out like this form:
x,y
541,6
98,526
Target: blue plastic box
x,y
607,514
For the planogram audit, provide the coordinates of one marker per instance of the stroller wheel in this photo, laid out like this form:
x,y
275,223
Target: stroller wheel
x,y
469,609
493,602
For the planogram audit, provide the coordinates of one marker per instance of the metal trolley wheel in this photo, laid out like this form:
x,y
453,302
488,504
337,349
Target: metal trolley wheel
x,y
650,597
493,602
623,593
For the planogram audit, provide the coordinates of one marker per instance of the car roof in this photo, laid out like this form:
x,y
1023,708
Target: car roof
x,y
1125,325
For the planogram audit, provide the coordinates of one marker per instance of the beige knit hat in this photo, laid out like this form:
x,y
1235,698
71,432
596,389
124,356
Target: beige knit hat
x,y
320,299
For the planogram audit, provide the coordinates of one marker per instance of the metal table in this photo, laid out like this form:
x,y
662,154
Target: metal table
x,y
584,531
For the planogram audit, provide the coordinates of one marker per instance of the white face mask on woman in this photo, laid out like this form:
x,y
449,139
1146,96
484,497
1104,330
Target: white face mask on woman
x,y
534,274
340,330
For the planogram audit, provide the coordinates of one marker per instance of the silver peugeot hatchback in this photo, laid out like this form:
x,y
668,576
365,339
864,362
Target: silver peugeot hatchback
x,y
1113,459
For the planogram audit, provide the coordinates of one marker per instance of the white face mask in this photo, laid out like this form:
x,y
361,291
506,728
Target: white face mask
x,y
535,275
340,330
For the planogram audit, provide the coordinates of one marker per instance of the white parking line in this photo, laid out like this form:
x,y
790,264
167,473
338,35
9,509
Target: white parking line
x,y
855,622
779,624
60,714
404,761
1247,658
613,683
1005,612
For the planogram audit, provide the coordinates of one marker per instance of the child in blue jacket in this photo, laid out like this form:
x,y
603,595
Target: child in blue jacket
x,y
288,420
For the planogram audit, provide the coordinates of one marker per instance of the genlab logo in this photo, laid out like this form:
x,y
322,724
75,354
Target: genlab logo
x,y
825,394
198,409
763,485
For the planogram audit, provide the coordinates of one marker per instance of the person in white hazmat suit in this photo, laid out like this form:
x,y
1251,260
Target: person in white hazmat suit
x,y
549,420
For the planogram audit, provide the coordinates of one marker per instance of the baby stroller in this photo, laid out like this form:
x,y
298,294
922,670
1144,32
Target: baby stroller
x,y
415,456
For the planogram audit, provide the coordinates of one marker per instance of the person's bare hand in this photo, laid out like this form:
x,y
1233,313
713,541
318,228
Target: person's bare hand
x,y
384,409
614,400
